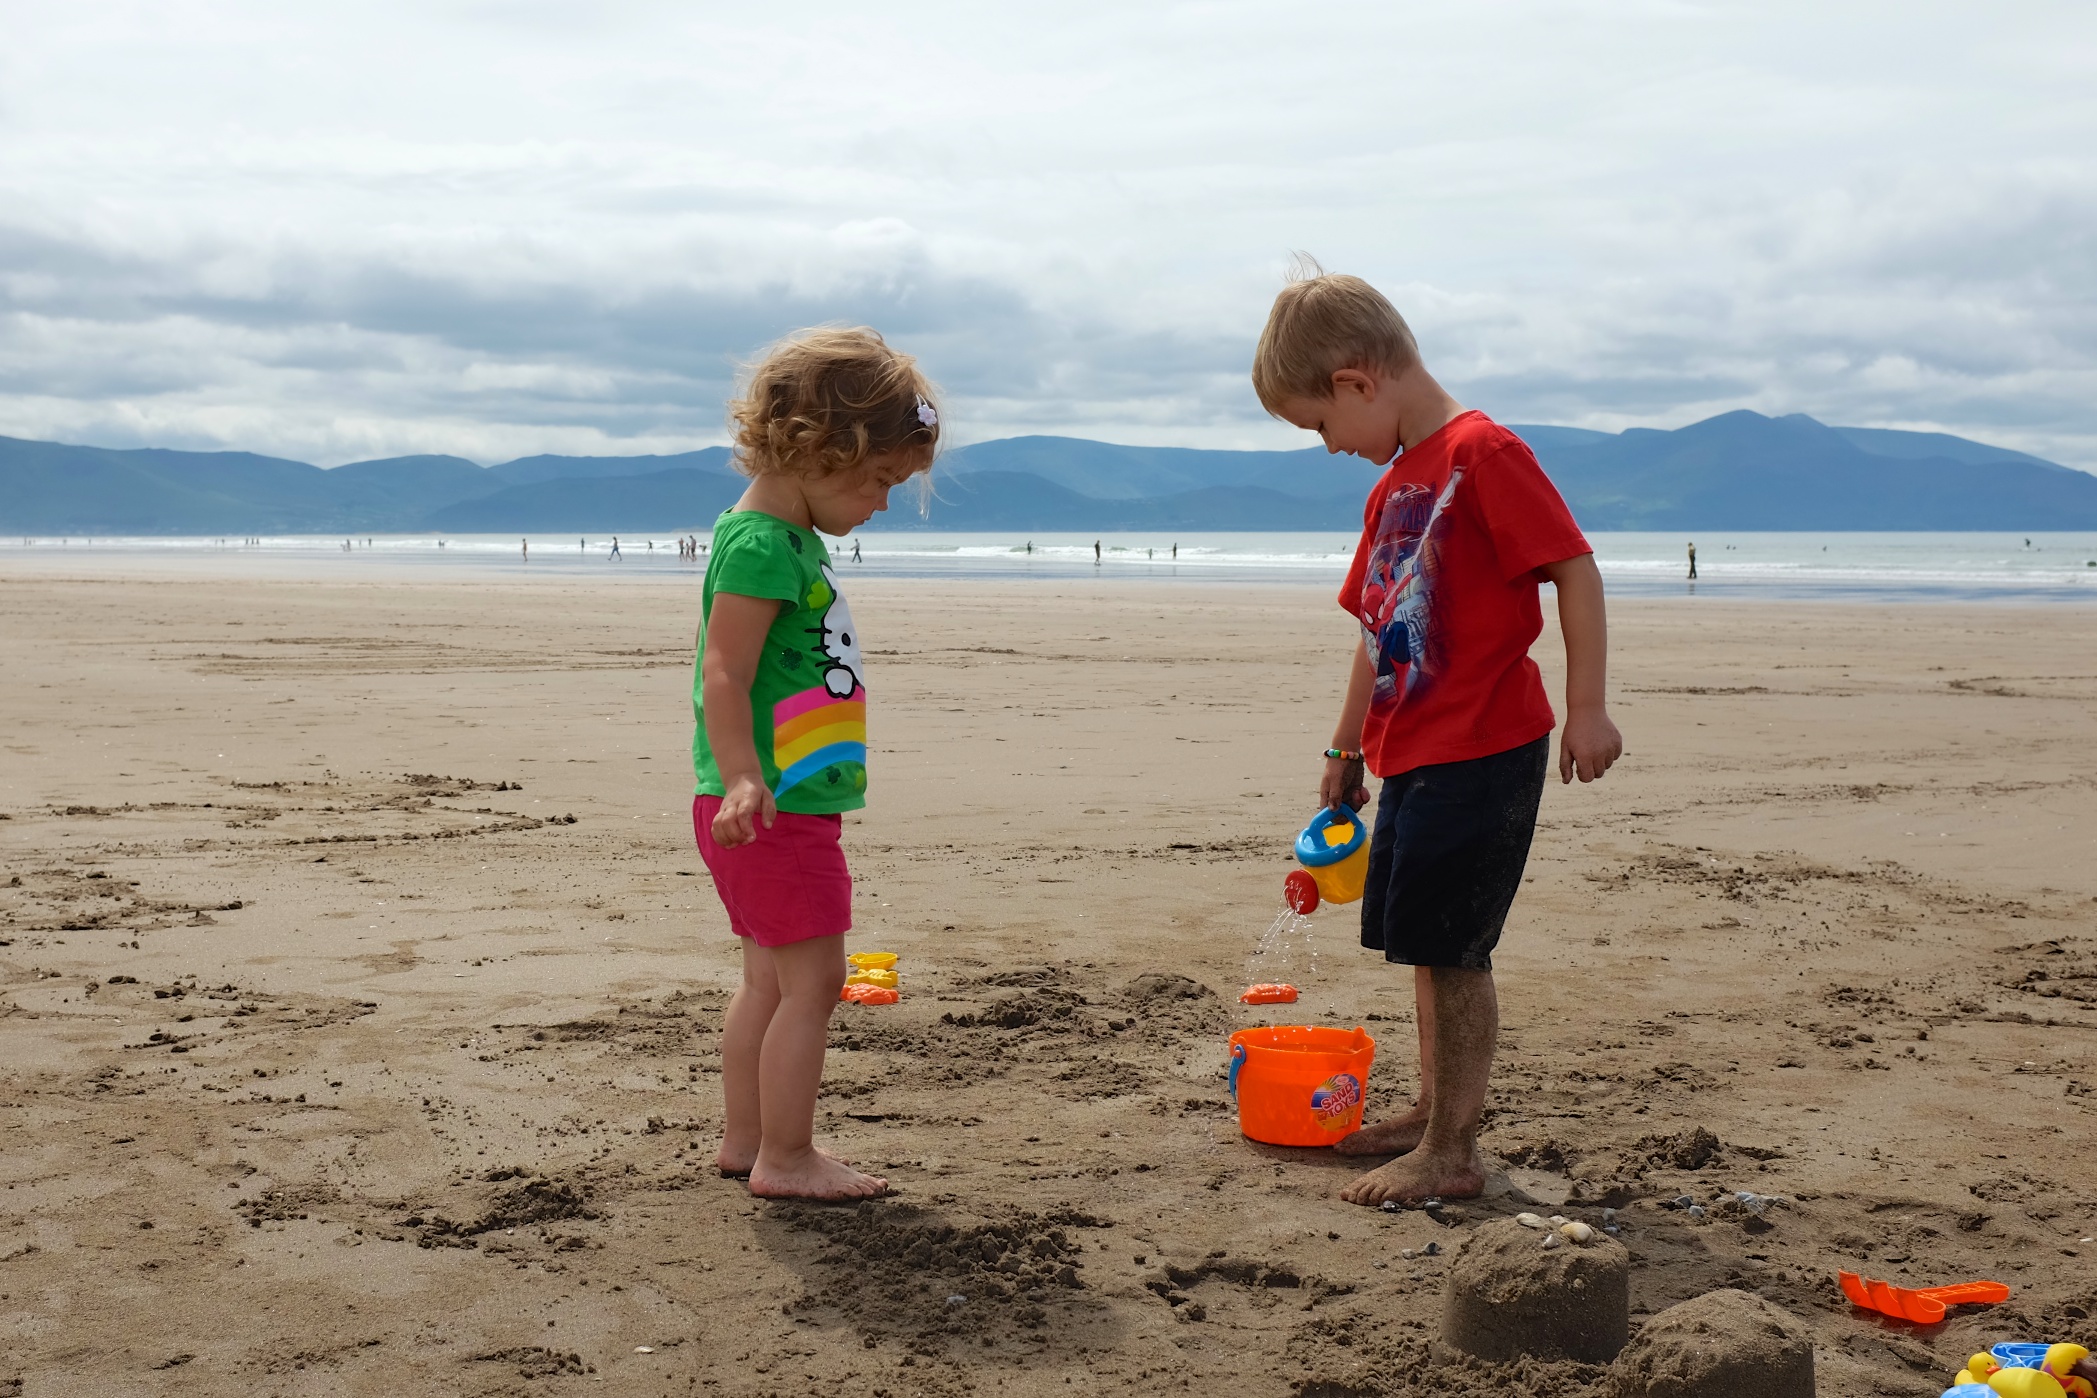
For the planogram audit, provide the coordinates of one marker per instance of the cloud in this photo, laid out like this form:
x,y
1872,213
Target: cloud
x,y
494,230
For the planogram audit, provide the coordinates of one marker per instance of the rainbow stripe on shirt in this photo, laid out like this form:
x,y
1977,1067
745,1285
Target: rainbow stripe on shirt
x,y
815,729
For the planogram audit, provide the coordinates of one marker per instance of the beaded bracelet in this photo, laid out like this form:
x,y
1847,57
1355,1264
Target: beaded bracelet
x,y
1343,755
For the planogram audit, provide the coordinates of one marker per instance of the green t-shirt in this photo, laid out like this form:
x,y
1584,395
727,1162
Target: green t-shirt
x,y
808,702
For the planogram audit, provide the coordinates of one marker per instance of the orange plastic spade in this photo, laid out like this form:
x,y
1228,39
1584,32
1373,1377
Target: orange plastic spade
x,y
1268,993
1925,1305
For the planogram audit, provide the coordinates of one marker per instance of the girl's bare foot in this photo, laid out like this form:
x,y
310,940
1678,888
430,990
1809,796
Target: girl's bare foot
x,y
814,1176
1411,1178
737,1164
1395,1136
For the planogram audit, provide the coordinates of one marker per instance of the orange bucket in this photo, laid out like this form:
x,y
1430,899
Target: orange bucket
x,y
1298,1085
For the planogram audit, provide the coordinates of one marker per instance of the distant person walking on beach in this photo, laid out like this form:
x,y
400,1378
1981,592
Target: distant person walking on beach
x,y
855,550
525,546
1692,562
829,423
1095,553
615,545
1443,701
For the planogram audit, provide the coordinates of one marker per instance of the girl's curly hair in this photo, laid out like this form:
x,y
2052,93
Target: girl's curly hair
x,y
822,401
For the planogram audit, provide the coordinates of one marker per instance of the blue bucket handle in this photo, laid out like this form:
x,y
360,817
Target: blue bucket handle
x,y
1237,1062
1311,850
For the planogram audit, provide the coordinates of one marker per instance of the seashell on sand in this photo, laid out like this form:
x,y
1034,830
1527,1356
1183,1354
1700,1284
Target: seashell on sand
x,y
1576,1232
1552,1240
1529,1220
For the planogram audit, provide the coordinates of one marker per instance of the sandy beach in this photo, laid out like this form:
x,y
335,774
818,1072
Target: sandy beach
x,y
360,991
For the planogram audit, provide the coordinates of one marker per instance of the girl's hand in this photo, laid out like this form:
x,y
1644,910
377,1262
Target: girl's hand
x,y
1342,784
746,804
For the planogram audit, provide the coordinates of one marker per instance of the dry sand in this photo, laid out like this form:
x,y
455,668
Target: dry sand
x,y
333,1064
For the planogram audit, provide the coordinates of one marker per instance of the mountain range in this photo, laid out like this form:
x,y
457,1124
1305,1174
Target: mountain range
x,y
1740,471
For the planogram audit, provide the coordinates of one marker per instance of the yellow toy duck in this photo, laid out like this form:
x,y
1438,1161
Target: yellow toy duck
x,y
2066,1372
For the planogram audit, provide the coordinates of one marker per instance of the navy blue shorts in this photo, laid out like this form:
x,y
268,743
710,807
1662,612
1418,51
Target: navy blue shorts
x,y
1447,854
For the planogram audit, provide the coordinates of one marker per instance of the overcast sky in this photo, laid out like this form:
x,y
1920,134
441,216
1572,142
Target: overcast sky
x,y
343,230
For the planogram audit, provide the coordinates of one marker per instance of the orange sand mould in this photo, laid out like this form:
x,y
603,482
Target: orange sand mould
x,y
1268,993
1923,1305
869,995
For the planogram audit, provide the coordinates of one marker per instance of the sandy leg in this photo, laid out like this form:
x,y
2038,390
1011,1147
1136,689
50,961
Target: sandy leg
x,y
1399,1134
1460,1025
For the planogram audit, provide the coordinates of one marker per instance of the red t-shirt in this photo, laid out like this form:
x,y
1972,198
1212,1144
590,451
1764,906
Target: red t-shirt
x,y
1444,584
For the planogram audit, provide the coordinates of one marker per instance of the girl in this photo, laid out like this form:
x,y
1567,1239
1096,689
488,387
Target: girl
x,y
831,422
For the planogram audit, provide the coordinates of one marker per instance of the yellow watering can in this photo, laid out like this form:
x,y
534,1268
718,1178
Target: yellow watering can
x,y
1334,852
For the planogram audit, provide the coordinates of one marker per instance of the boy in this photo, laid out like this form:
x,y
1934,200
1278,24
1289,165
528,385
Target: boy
x,y
1443,702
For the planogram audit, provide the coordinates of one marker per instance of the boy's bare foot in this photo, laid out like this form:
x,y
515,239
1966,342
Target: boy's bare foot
x,y
1411,1178
814,1176
1394,1136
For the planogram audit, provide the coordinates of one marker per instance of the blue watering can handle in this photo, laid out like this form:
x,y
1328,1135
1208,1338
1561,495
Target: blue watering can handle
x,y
1311,850
1237,1062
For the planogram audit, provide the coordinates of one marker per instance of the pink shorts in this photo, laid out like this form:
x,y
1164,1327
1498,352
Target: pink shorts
x,y
787,885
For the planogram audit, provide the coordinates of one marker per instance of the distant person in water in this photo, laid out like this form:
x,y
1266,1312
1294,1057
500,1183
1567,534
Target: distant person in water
x,y
525,546
1095,553
1443,701
1692,562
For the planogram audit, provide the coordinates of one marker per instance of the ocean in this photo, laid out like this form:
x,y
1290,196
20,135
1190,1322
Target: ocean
x,y
1851,567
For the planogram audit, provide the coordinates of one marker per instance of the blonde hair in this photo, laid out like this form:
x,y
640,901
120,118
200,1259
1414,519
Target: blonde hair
x,y
823,400
1323,322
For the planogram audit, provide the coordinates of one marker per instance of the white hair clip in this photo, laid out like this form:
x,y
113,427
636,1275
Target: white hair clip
x,y
926,413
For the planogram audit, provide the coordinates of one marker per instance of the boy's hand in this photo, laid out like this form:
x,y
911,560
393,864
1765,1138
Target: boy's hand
x,y
746,803
1342,784
1590,746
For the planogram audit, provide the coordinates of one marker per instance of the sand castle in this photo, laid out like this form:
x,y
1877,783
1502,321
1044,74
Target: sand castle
x,y
1561,1289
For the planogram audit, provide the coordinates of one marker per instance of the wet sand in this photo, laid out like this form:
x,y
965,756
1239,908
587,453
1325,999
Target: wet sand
x,y
360,994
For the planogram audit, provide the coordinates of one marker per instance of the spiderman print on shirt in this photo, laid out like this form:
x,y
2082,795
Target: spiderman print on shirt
x,y
1398,591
